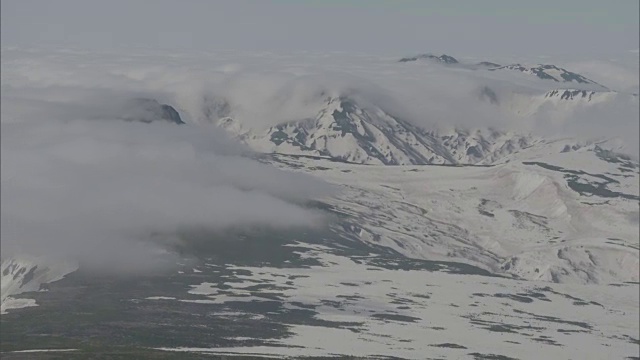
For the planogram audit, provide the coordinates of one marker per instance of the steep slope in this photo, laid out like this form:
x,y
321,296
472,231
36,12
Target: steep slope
x,y
345,131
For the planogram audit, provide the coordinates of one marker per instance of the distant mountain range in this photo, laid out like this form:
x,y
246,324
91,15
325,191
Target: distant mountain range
x,y
344,130
542,71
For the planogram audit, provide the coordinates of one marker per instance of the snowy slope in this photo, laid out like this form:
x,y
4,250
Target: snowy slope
x,y
565,217
24,274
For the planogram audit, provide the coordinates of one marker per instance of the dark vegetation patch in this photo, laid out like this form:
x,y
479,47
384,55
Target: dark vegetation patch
x,y
119,352
577,184
547,341
519,298
395,317
554,319
439,328
571,331
501,327
524,297
615,158
449,345
576,300
90,311
479,356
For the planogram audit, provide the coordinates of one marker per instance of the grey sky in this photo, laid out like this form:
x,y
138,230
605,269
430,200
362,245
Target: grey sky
x,y
464,27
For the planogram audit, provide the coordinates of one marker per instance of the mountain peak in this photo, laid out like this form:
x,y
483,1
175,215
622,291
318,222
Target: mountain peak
x,y
488,64
344,130
543,71
149,110
444,58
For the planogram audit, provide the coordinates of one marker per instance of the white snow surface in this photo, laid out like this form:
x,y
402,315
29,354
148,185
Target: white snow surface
x,y
42,350
416,313
23,273
514,218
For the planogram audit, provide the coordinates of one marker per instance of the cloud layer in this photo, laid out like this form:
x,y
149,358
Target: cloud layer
x,y
77,181
96,189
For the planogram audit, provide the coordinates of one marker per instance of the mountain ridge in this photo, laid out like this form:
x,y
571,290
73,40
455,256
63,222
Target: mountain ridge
x,y
541,71
346,131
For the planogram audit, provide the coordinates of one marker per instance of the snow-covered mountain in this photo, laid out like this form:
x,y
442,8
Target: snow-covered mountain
x,y
344,128
345,131
541,71
549,72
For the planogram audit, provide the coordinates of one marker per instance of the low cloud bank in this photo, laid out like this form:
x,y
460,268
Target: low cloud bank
x,y
96,189
262,90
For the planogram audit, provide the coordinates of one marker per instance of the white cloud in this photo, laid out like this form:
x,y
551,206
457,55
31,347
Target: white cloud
x,y
621,76
95,189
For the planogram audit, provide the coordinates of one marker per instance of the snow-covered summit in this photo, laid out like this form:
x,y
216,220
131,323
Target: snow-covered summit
x,y
346,131
541,71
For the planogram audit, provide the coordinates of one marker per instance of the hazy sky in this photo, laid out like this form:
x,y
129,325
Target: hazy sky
x,y
463,27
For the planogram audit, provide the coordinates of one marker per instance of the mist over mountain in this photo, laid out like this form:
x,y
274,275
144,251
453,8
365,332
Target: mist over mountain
x,y
344,180
225,193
